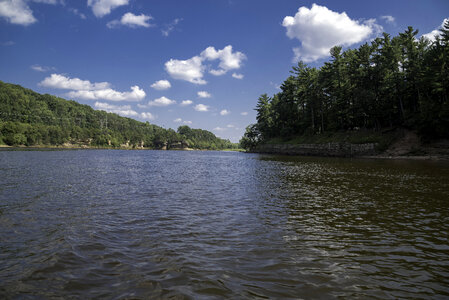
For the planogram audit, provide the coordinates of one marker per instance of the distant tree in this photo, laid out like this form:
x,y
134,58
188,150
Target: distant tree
x,y
251,138
399,81
49,120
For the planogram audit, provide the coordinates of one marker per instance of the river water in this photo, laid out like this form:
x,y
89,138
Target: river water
x,y
113,224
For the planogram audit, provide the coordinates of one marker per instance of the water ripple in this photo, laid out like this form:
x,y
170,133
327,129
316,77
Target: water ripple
x,y
212,225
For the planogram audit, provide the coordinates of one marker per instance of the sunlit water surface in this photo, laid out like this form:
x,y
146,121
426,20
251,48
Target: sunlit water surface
x,y
203,225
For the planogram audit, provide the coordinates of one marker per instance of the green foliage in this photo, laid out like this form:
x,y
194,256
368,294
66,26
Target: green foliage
x,y
391,82
203,139
251,138
28,118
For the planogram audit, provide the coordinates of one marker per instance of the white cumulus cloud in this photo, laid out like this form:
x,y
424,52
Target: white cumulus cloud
x,y
58,81
162,101
319,29
122,110
225,112
201,107
84,89
16,12
100,8
192,69
237,76
161,85
179,120
431,36
244,113
136,94
186,102
203,94
229,60
131,20
147,116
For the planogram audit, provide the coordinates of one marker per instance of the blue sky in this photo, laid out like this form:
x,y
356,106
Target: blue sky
x,y
200,63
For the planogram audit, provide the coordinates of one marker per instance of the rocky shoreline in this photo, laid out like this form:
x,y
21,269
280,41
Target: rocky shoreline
x,y
325,149
367,150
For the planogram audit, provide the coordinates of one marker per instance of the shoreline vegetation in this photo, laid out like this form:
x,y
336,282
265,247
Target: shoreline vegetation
x,y
389,98
31,119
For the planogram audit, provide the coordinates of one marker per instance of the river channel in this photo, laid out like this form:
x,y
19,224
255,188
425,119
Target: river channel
x,y
113,224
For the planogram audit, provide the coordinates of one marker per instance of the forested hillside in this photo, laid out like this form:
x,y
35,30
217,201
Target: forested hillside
x,y
388,83
31,119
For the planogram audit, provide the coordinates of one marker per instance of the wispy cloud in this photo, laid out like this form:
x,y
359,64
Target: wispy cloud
x,y
168,28
388,19
76,12
8,43
39,68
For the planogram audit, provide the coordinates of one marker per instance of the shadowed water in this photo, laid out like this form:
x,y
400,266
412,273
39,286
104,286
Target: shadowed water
x,y
172,224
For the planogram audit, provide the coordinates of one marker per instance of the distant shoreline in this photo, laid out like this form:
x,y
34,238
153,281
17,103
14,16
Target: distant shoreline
x,y
54,147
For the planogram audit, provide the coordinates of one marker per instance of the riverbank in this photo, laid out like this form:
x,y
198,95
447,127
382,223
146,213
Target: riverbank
x,y
325,149
390,144
345,150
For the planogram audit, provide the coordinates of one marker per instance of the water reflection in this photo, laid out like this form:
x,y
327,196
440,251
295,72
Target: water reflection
x,y
363,227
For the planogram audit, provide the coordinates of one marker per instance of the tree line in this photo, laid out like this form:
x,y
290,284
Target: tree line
x,y
32,119
399,81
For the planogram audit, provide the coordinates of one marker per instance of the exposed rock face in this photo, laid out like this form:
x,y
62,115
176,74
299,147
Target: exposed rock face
x,y
327,149
178,146
125,145
405,145
140,145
